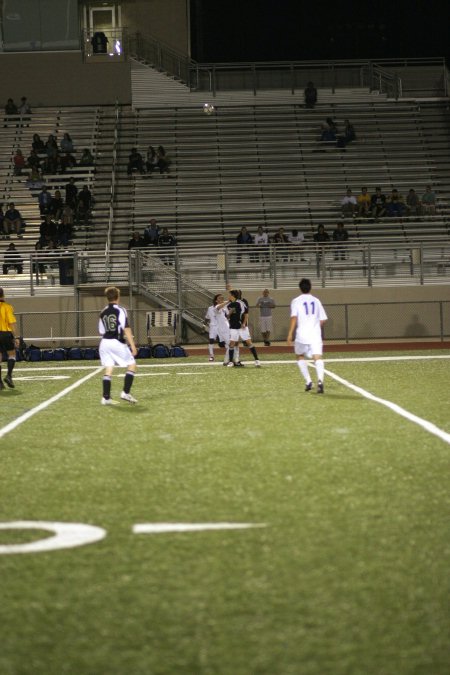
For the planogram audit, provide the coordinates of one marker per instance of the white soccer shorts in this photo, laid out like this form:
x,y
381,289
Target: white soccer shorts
x,y
115,353
237,334
308,350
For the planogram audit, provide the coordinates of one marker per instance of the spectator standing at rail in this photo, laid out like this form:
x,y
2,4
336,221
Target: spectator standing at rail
x,y
265,304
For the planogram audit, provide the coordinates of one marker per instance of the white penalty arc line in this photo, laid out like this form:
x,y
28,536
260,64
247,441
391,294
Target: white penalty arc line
x,y
26,416
425,424
163,528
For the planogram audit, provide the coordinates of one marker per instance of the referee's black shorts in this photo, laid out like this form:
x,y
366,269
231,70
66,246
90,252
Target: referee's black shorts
x,y
7,343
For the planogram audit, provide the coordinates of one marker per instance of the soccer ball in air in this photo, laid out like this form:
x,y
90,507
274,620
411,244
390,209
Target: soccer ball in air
x,y
208,109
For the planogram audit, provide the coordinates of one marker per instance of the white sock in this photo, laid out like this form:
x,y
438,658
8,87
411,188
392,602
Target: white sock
x,y
303,367
236,353
320,368
211,350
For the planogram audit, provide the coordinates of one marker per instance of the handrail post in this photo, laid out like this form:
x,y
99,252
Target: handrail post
x,y
369,265
292,79
254,79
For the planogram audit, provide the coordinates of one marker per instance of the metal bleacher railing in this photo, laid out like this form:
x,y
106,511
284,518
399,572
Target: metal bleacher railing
x,y
394,77
170,275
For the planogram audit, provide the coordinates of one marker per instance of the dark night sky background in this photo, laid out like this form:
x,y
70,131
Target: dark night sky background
x,y
284,30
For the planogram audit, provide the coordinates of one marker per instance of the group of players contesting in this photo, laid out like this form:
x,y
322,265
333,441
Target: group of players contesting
x,y
228,324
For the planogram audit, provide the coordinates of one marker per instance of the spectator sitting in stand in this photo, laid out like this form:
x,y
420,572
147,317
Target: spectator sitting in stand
x,y
13,221
151,161
296,239
136,241
135,162
363,201
11,112
44,199
310,95
65,227
12,260
34,180
261,241
243,240
348,136
280,238
163,161
34,160
429,201
66,161
71,193
340,236
166,239
395,207
66,144
2,218
57,205
48,228
378,204
86,158
321,236
84,205
24,109
349,205
412,203
51,150
38,144
327,134
19,162
151,233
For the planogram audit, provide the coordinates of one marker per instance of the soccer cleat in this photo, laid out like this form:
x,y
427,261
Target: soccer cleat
x,y
2,386
308,387
239,364
9,382
128,397
109,401
230,364
211,358
257,363
320,388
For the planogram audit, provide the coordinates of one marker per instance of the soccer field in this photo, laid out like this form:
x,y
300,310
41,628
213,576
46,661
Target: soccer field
x,y
239,525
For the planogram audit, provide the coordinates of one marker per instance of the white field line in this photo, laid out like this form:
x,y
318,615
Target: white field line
x,y
45,404
428,426
161,528
207,364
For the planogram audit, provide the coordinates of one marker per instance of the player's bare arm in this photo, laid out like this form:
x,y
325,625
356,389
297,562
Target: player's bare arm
x,y
292,327
130,339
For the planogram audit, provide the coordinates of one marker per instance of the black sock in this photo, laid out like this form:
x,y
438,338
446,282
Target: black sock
x,y
107,386
129,377
231,354
11,364
253,351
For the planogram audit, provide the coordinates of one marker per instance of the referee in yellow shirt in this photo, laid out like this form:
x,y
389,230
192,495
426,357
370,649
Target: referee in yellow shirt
x,y
8,339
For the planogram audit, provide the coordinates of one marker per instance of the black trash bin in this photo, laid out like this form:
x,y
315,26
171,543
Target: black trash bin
x,y
66,271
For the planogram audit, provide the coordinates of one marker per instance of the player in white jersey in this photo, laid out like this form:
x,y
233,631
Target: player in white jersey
x,y
307,318
219,329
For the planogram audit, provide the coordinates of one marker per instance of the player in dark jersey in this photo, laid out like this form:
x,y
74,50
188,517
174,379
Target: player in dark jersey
x,y
238,316
115,331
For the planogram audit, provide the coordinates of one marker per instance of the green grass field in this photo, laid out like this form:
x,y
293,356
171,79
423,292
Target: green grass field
x,y
347,572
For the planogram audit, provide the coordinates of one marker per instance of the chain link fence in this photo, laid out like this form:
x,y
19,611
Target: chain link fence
x,y
346,322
